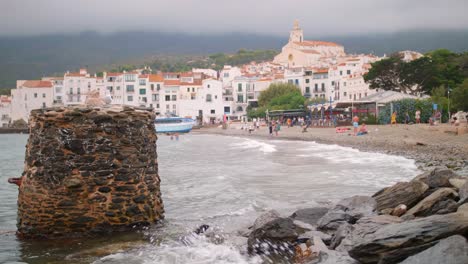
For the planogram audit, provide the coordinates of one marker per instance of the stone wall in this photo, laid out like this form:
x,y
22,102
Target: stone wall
x,y
87,171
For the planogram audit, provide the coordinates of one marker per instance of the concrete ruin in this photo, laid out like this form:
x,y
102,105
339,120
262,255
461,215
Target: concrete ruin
x,y
89,171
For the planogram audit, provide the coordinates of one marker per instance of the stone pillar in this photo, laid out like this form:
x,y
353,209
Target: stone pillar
x,y
87,171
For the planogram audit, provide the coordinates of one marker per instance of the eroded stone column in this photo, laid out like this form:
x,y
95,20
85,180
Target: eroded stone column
x,y
89,171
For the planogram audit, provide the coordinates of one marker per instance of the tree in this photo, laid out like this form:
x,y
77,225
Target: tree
x,y
459,97
385,74
277,90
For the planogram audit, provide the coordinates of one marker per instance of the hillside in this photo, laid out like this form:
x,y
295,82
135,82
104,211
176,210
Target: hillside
x,y
36,56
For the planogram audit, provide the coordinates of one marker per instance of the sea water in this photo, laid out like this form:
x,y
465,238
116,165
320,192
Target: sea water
x,y
224,182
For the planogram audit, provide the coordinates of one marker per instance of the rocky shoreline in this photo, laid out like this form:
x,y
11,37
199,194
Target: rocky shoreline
x,y
424,220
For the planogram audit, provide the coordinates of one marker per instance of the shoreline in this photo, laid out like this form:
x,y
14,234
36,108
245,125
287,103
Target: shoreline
x,y
428,146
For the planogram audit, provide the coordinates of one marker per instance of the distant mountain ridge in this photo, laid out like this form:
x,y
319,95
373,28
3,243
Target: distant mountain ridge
x,y
36,56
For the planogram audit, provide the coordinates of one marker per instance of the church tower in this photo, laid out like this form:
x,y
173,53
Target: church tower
x,y
296,34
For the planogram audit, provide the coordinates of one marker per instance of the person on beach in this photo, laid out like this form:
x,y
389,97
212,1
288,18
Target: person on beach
x,y
363,130
289,122
270,127
277,128
355,124
407,118
417,116
393,119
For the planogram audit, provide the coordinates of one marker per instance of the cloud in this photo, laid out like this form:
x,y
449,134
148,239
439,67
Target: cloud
x,y
317,17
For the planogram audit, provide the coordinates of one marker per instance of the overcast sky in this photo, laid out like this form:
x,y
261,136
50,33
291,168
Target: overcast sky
x,y
316,17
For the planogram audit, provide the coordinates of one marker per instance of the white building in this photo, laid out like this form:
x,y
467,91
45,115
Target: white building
x,y
5,111
30,95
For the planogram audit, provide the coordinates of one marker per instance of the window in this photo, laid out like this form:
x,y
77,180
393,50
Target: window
x,y
216,97
239,87
341,72
240,98
227,109
307,90
193,97
297,82
78,90
152,87
174,97
307,80
43,105
117,88
354,97
35,95
142,91
142,81
129,77
344,94
43,95
348,72
174,106
144,99
130,98
359,96
167,107
188,89
193,89
167,98
212,111
208,86
208,97
333,83
58,89
226,75
239,109
316,87
157,105
365,94
130,88
71,90
323,87
290,81
155,97
158,87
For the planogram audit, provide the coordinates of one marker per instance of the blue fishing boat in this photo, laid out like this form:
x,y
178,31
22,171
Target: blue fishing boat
x,y
173,124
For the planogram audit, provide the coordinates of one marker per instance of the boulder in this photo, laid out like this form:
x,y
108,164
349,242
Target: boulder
x,y
326,238
279,234
440,177
395,242
453,250
343,231
408,193
463,193
309,215
265,218
348,210
458,183
444,207
364,227
423,208
333,257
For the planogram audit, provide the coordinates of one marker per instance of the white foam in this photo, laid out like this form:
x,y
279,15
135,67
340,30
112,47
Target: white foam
x,y
254,144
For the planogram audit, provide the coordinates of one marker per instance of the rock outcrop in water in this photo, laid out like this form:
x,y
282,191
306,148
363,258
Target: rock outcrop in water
x,y
89,170
421,221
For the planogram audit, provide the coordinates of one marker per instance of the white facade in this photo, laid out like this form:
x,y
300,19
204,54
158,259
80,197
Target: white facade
x,y
30,95
5,110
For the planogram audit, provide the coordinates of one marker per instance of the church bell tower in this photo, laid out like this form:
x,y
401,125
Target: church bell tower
x,y
296,34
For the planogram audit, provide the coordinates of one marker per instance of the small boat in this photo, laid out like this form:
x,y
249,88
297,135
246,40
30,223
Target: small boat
x,y
173,124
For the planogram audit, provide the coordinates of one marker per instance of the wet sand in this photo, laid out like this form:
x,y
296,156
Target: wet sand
x,y
429,145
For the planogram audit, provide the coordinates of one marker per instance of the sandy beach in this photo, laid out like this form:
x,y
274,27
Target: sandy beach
x,y
429,145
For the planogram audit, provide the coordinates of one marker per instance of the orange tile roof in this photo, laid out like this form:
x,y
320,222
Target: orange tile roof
x,y
316,43
321,70
196,82
156,78
171,82
5,99
113,74
143,76
37,84
186,74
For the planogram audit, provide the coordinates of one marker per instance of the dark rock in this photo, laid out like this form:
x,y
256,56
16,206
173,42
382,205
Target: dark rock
x,y
140,198
75,145
104,189
84,219
343,231
440,177
364,227
446,206
133,210
66,203
424,207
348,210
265,218
125,188
463,193
118,200
395,242
408,193
310,215
451,250
110,214
72,182
274,235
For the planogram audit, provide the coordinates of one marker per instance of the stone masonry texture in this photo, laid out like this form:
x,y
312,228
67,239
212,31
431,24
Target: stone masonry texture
x,y
89,171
